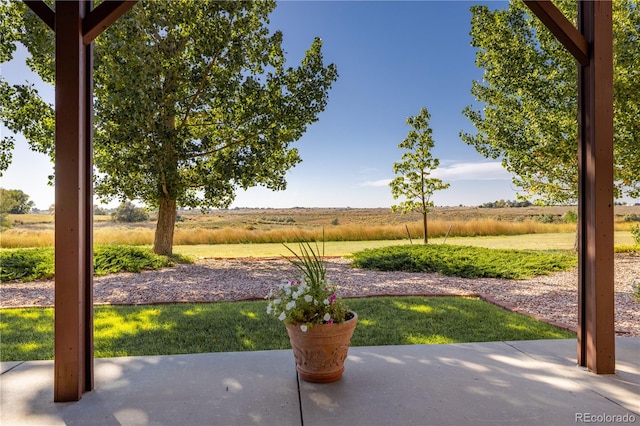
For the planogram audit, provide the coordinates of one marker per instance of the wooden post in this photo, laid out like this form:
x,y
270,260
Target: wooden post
x,y
592,46
76,24
73,362
596,327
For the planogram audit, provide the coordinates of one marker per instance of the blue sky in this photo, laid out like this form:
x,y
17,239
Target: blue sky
x,y
393,58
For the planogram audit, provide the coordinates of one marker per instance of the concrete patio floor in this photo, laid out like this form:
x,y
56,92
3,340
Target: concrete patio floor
x,y
524,383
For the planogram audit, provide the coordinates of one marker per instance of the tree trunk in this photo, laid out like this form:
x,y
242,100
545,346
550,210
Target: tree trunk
x,y
163,242
424,227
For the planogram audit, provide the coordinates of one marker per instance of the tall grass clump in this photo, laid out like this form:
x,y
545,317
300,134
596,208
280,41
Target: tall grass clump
x,y
138,236
464,261
124,236
233,235
20,238
357,232
487,227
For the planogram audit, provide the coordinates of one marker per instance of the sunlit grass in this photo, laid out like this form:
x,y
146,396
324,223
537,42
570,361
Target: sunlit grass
x,y
554,241
27,334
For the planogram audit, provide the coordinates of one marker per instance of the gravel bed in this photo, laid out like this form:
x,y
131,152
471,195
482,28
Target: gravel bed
x,y
552,297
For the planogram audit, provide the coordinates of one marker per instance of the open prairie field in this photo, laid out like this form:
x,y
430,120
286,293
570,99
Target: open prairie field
x,y
267,226
376,216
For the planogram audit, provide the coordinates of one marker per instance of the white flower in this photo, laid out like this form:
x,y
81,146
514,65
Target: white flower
x,y
308,298
325,301
269,309
277,301
326,317
290,305
304,328
282,316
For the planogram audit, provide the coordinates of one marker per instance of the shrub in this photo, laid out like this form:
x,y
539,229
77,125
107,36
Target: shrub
x,y
545,218
109,259
464,261
128,212
26,264
631,217
570,217
635,232
33,264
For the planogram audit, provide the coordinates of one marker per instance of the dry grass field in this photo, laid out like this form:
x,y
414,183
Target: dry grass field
x,y
263,226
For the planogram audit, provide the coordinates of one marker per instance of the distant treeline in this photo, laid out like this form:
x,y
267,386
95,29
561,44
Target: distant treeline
x,y
508,203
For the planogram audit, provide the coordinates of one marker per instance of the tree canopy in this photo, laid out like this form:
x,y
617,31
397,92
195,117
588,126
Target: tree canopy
x,y
193,100
413,182
14,201
530,103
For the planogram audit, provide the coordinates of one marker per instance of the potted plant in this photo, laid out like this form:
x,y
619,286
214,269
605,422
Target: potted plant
x,y
319,325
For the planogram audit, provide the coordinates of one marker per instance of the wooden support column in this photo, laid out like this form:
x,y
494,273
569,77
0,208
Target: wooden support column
x,y
75,25
592,46
596,327
73,362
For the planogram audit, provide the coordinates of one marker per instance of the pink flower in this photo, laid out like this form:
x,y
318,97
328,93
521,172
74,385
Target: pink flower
x,y
330,321
294,282
332,299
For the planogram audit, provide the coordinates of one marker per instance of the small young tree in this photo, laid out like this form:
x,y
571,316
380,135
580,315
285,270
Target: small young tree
x,y
413,181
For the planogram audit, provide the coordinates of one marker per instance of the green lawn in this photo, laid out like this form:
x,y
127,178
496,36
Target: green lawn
x,y
554,241
27,334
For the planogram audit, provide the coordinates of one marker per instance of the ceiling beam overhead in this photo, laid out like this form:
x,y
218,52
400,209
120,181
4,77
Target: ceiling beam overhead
x,y
562,28
43,11
105,14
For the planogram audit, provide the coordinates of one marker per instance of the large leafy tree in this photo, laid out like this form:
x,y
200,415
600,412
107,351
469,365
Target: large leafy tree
x,y
413,183
15,201
193,101
22,110
529,98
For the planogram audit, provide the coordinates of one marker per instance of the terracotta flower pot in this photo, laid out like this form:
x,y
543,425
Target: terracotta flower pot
x,y
320,352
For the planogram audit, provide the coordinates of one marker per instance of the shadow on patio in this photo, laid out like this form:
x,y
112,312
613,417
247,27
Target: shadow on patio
x,y
525,382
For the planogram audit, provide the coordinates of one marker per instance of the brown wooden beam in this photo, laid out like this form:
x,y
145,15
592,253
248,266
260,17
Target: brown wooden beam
x,y
75,25
596,327
73,351
560,26
104,15
88,212
43,11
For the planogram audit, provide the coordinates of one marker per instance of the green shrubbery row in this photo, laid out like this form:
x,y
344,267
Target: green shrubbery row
x,y
464,261
32,264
